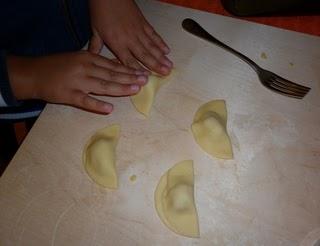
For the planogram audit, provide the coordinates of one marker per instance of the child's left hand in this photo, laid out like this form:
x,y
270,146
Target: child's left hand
x,y
122,27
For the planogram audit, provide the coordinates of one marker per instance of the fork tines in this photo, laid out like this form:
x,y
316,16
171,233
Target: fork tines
x,y
286,87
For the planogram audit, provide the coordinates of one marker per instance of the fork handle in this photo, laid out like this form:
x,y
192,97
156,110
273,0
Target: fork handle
x,y
194,28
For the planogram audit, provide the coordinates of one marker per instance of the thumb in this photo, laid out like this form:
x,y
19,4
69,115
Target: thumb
x,y
96,43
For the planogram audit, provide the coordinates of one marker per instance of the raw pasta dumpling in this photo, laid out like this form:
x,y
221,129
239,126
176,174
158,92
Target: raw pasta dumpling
x,y
143,101
209,129
174,200
99,156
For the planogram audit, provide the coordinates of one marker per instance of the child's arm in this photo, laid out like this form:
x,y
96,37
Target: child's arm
x,y
122,27
71,78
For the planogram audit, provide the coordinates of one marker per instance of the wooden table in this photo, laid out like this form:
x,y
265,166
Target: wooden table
x,y
268,195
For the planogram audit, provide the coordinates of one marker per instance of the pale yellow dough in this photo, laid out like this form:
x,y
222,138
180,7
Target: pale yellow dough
x,y
99,156
209,129
174,200
143,101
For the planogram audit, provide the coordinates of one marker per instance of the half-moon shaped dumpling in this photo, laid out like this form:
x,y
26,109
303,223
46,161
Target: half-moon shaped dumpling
x,y
174,200
143,101
209,129
99,156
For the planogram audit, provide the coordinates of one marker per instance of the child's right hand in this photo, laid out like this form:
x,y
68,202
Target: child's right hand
x,y
70,78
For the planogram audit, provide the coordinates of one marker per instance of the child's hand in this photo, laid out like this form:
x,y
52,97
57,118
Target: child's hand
x,y
122,27
70,78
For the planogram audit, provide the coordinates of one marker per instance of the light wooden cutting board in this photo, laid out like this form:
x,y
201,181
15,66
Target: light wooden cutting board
x,y
268,195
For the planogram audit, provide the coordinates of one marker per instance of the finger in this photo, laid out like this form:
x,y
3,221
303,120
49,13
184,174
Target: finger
x,y
84,101
137,72
127,59
155,37
147,59
96,43
116,77
155,51
106,88
115,60
115,65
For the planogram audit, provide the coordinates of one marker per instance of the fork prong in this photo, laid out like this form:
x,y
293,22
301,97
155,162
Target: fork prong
x,y
290,83
289,88
284,91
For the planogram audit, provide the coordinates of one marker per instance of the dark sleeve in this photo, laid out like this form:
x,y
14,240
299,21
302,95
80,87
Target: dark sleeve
x,y
6,95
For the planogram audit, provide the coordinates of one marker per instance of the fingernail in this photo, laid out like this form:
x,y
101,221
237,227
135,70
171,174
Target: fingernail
x,y
164,69
134,88
166,49
107,108
139,72
142,79
167,62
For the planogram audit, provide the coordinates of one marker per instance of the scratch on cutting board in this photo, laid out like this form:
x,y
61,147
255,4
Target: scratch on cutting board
x,y
122,219
276,166
170,120
26,208
95,229
186,96
235,140
21,171
126,227
311,167
20,236
63,213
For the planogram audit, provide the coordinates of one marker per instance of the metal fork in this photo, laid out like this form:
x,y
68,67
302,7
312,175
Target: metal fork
x,y
269,79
